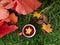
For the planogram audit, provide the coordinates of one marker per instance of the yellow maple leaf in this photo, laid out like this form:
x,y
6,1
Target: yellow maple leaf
x,y
28,31
36,14
47,27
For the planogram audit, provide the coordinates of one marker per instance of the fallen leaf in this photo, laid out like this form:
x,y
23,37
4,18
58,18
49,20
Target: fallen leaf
x,y
24,6
1,23
6,29
40,22
44,17
4,3
3,13
37,15
47,27
13,18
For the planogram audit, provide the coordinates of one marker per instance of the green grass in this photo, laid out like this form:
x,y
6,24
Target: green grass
x,y
53,12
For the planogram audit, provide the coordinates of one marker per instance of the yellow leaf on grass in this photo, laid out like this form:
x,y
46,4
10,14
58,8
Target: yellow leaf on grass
x,y
37,15
47,27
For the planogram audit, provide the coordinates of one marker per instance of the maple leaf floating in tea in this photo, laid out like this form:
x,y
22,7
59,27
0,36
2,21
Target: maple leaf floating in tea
x,y
37,15
47,27
23,6
28,31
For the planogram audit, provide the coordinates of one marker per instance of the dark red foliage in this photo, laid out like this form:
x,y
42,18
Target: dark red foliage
x,y
6,29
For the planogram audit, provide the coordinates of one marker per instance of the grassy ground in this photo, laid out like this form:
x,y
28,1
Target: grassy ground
x,y
52,9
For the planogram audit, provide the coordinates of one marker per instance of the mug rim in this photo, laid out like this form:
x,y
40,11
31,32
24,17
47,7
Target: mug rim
x,y
32,34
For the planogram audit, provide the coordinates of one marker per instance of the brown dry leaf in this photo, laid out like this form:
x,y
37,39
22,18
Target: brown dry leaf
x,y
44,17
40,22
47,27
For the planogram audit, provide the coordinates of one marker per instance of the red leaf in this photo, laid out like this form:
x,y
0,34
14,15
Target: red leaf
x,y
24,6
1,23
10,5
6,29
3,13
27,6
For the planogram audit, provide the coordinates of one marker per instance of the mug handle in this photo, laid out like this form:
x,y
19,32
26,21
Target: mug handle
x,y
20,34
